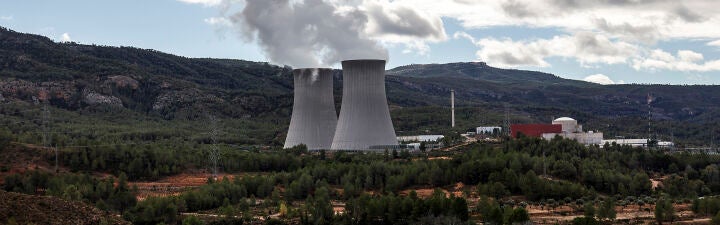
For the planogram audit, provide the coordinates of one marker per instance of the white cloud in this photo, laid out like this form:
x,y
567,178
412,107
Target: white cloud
x,y
592,32
65,37
644,20
714,43
685,60
203,2
218,21
689,56
393,22
7,18
601,79
585,47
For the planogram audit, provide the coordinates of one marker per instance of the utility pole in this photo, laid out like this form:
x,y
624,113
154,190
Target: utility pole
x,y
649,120
56,159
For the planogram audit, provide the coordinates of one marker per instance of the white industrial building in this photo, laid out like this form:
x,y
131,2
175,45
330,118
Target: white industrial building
x,y
488,130
420,138
571,130
643,142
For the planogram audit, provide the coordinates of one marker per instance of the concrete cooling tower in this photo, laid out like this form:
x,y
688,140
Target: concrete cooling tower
x,y
313,118
364,122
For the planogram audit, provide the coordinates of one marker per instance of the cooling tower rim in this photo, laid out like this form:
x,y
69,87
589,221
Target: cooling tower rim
x,y
364,60
313,68
298,70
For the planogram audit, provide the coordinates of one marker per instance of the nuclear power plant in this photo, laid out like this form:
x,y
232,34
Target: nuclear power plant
x,y
364,122
314,117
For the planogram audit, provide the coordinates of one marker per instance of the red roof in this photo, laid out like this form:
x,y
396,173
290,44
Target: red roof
x,y
535,130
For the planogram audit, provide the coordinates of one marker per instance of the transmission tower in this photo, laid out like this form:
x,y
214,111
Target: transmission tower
x,y
712,138
506,122
55,148
47,137
214,150
46,126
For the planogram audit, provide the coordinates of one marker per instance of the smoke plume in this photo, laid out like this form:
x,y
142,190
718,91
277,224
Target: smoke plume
x,y
310,33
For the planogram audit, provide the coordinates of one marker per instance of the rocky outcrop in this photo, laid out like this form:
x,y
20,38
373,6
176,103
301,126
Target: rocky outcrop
x,y
26,90
91,97
121,81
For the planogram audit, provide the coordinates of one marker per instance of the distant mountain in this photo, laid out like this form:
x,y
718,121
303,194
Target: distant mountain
x,y
73,76
483,72
478,83
151,84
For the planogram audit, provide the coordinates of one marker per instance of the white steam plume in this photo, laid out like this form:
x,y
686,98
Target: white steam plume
x,y
310,33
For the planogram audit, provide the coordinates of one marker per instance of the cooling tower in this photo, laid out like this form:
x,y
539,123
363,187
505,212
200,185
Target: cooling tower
x,y
364,121
313,118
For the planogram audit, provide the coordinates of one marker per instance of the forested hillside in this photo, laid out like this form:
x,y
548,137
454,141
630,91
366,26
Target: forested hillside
x,y
137,87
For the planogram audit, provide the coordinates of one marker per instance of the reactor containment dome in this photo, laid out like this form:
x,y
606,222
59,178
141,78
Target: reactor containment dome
x,y
364,122
314,117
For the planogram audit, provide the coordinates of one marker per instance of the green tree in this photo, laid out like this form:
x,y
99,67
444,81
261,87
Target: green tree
x,y
607,210
664,211
589,210
519,215
71,193
585,221
460,208
5,138
192,220
716,219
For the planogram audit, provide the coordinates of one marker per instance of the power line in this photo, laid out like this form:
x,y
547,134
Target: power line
x,y
22,111
90,146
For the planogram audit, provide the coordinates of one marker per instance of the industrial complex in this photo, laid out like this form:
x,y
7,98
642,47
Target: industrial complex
x,y
565,127
364,122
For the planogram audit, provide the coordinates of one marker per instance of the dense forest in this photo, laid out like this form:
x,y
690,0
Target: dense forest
x,y
303,185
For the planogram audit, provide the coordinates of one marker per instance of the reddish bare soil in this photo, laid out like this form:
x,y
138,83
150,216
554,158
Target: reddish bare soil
x,y
456,190
630,213
24,157
173,185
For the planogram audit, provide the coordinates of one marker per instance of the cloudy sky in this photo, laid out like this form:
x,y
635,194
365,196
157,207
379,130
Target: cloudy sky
x,y
606,41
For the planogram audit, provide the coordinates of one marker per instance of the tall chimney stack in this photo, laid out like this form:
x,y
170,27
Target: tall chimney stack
x,y
452,106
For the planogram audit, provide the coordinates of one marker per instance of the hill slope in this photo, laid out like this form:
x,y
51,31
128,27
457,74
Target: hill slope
x,y
30,209
137,85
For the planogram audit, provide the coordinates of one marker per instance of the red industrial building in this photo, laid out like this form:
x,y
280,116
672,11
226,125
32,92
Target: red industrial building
x,y
535,130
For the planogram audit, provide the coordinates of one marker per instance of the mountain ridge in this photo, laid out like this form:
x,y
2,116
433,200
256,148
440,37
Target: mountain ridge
x,y
78,78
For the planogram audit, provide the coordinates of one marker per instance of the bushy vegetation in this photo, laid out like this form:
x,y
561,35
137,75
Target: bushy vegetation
x,y
392,209
545,172
103,193
706,206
